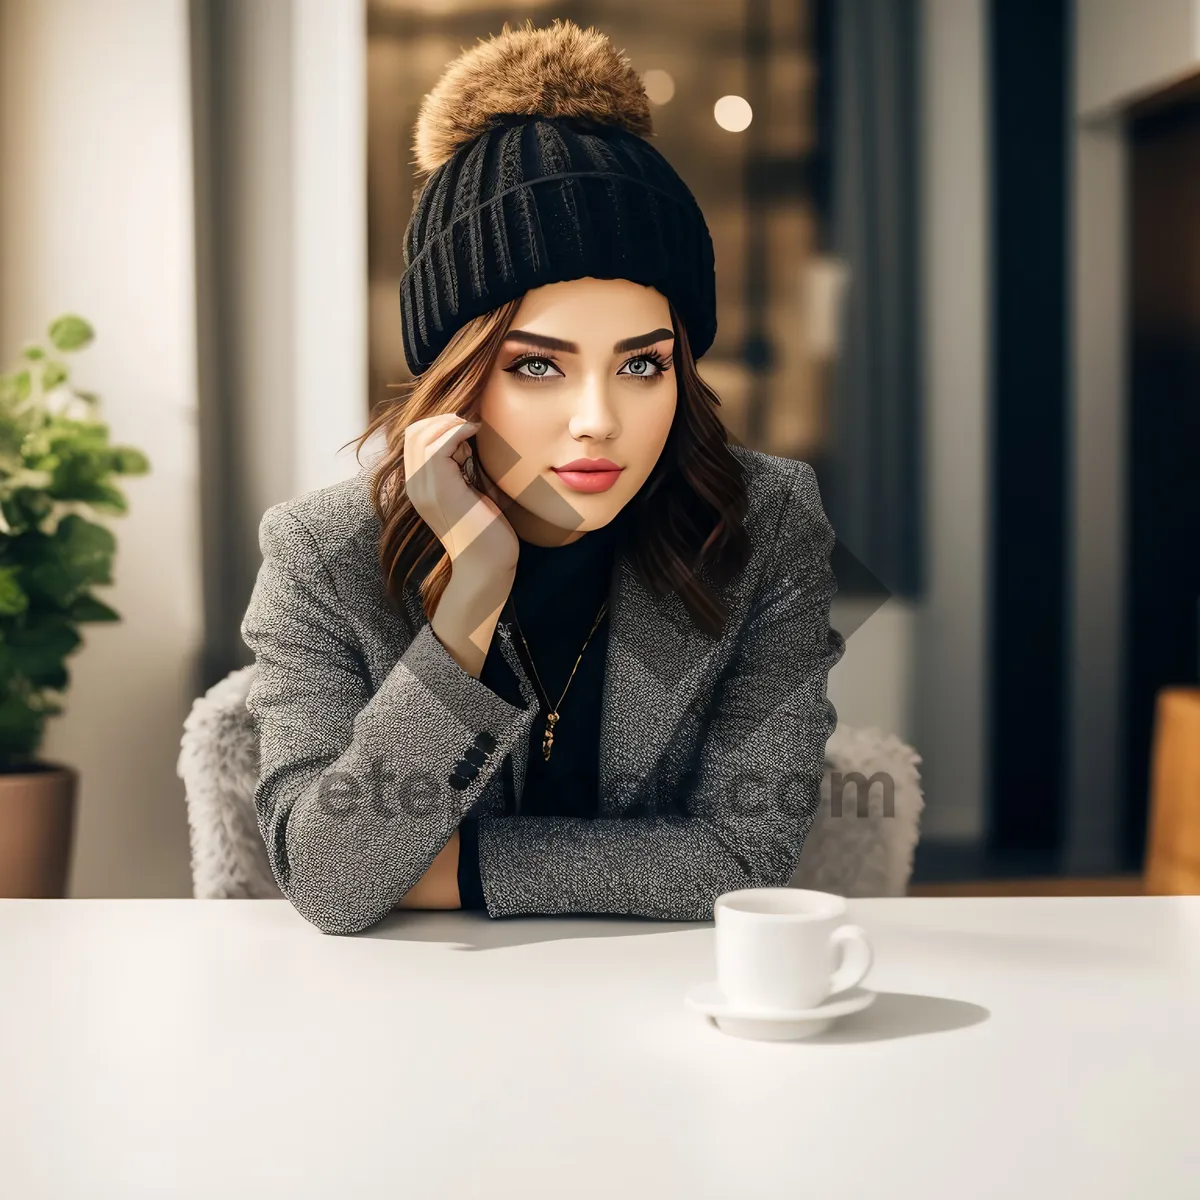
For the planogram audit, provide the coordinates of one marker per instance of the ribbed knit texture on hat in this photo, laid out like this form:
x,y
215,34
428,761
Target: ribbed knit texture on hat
x,y
537,200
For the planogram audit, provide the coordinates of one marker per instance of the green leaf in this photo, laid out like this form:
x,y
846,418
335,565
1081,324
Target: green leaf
x,y
88,608
37,652
43,669
71,332
27,477
82,541
128,461
55,583
78,555
35,445
37,507
53,373
104,498
22,385
33,352
13,599
53,675
81,434
20,727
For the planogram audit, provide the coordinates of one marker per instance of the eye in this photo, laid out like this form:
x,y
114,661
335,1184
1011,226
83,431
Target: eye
x,y
536,359
653,356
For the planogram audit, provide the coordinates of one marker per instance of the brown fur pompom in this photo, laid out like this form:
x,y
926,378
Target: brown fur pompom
x,y
562,71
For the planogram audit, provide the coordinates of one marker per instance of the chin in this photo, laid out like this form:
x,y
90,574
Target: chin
x,y
592,517
591,520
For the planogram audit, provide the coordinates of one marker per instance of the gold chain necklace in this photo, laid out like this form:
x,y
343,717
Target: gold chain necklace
x,y
552,717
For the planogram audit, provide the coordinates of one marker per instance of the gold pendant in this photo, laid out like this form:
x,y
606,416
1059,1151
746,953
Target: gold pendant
x,y
548,735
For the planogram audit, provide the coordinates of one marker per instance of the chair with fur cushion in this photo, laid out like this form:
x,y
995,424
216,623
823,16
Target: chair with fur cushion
x,y
859,844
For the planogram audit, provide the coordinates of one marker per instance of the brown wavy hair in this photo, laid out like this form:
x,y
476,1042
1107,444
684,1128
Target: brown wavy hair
x,y
689,512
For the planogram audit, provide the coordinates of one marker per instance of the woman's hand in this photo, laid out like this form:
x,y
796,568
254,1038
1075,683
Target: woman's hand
x,y
470,525
438,887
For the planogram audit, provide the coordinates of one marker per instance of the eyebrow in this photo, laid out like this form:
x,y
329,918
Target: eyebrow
x,y
545,342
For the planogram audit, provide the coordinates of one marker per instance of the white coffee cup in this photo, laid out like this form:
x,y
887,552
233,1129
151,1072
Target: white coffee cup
x,y
781,948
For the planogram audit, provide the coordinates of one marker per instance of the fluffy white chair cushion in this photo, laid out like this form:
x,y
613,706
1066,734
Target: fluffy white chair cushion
x,y
849,854
864,846
218,763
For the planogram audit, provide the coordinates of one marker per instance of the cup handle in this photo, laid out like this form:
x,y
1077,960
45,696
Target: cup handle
x,y
857,957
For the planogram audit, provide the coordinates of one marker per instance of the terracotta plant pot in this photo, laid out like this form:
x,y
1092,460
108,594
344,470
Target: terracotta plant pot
x,y
37,821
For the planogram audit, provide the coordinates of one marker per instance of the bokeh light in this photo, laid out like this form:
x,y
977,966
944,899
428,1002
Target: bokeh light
x,y
733,113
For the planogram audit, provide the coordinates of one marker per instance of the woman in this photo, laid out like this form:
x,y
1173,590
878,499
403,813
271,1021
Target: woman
x,y
563,648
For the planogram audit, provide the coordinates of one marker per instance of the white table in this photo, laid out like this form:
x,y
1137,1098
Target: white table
x,y
180,1048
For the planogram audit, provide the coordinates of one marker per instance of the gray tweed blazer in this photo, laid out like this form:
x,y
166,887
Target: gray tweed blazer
x,y
374,742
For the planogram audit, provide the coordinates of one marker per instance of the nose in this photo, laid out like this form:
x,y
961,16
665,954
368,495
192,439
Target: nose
x,y
594,414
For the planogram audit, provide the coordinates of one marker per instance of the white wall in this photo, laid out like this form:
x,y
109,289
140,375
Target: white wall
x,y
96,218
1128,48
329,238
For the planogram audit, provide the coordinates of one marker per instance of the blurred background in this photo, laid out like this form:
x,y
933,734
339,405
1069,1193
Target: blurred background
x,y
958,266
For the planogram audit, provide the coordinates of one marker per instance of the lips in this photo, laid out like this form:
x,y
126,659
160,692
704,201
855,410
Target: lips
x,y
589,475
589,464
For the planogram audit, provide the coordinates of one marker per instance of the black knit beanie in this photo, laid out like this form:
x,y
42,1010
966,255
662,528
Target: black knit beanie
x,y
540,171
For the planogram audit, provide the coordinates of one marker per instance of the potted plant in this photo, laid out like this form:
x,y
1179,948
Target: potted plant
x,y
55,466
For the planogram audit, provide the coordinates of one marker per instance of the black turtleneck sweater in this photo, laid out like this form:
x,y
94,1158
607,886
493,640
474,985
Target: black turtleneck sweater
x,y
557,592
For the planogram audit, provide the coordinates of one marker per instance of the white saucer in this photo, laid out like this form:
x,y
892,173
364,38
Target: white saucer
x,y
780,1026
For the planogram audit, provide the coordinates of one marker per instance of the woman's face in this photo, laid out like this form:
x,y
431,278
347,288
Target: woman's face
x,y
586,372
